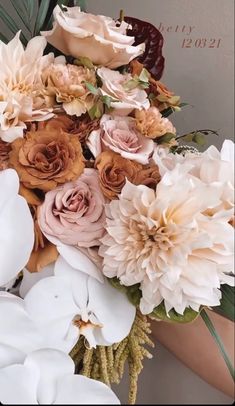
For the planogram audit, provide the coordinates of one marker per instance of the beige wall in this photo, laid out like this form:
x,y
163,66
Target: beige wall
x,y
202,76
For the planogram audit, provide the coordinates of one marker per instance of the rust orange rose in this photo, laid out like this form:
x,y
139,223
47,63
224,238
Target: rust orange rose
x,y
46,158
114,170
81,127
44,252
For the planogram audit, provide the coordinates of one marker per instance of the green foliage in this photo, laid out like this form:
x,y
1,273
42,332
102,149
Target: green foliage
x,y
41,16
94,90
141,81
227,304
198,137
167,112
159,313
34,16
95,112
164,139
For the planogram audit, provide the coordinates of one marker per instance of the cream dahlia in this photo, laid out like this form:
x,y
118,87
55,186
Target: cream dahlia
x,y
165,241
20,85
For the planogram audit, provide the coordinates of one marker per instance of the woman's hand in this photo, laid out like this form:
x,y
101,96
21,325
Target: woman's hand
x,y
195,347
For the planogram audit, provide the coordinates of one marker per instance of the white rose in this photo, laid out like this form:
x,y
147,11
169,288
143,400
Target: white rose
x,y
96,37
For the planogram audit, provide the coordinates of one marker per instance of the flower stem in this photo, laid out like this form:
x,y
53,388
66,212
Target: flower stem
x,y
121,17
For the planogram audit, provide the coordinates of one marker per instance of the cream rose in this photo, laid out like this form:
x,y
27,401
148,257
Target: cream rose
x,y
120,135
115,85
96,37
74,213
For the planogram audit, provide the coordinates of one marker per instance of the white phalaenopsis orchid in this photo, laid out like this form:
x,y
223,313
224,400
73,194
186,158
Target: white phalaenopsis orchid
x,y
21,85
16,228
18,334
71,303
47,377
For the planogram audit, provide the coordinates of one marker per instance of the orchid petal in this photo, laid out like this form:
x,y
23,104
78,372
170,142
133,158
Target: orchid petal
x,y
80,390
51,365
75,258
112,309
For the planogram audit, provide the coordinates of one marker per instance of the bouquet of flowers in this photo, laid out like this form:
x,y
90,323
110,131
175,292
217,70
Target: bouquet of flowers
x,y
107,220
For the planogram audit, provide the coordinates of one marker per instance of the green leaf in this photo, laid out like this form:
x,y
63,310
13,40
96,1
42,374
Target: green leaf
x,y
199,138
8,20
48,24
130,84
107,100
133,292
95,112
144,75
41,16
165,138
167,112
160,313
134,295
94,90
23,9
143,85
218,341
227,304
184,104
3,38
80,3
84,61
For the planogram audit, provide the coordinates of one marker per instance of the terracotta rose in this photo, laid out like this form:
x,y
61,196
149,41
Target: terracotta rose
x,y
46,158
114,170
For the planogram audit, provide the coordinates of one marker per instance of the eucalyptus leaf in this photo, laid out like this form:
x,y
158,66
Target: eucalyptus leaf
x,y
95,112
164,139
199,138
183,104
227,304
94,90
